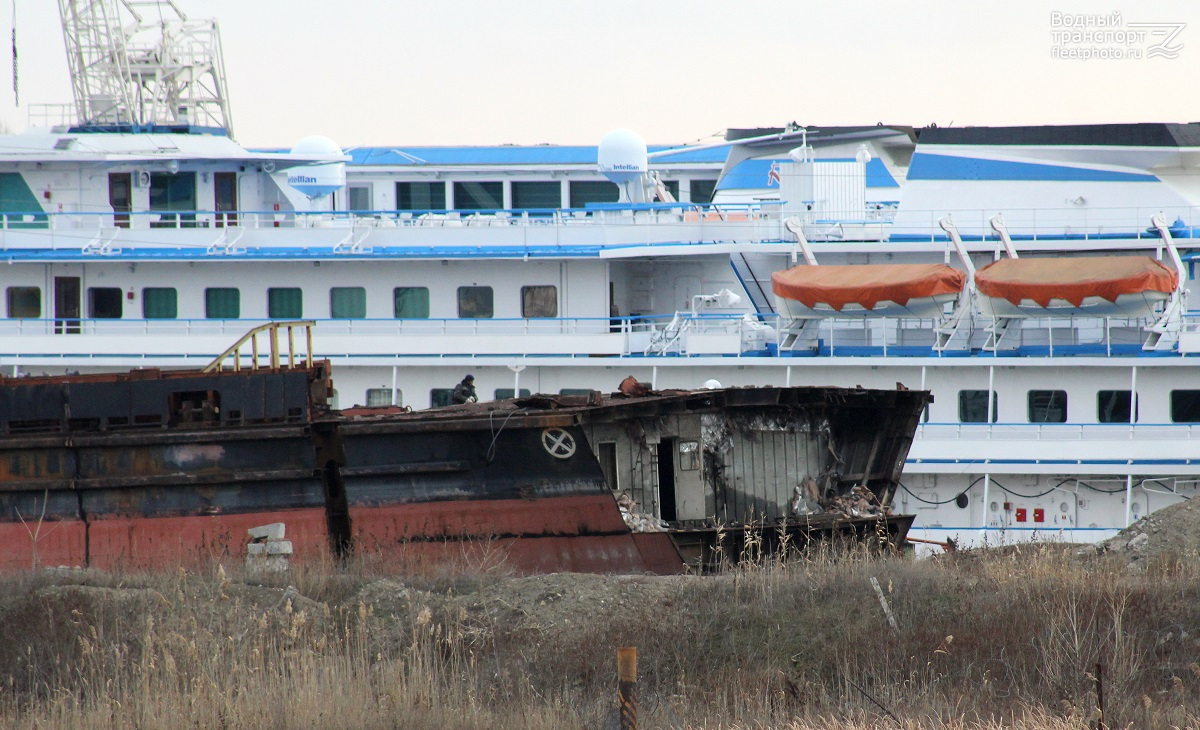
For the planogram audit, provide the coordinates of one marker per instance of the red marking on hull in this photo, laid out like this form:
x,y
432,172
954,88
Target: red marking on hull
x,y
160,542
485,518
57,542
659,552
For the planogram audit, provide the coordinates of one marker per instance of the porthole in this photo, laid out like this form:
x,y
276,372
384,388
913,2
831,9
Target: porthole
x,y
962,501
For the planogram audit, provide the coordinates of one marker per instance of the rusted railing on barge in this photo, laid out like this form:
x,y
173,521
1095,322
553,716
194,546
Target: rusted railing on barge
x,y
252,336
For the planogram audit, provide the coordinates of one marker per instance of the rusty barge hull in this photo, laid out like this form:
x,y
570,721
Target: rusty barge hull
x,y
155,469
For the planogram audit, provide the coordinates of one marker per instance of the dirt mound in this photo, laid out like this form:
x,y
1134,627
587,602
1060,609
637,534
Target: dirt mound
x,y
1169,532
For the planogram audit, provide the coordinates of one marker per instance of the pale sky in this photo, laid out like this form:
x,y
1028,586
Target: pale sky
x,y
394,72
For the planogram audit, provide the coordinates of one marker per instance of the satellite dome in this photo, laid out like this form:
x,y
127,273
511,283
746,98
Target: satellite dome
x,y
317,179
622,156
712,384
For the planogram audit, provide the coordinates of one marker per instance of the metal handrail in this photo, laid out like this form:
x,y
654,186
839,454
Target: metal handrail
x,y
252,336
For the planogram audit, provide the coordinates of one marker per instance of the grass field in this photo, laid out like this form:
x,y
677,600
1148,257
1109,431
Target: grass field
x,y
984,639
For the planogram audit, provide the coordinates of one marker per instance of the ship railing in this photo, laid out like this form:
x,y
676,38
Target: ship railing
x,y
233,355
1086,432
762,221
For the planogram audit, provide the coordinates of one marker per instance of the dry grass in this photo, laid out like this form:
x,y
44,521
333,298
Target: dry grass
x,y
983,640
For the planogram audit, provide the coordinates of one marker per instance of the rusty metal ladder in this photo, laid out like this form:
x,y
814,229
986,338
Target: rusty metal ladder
x,y
272,329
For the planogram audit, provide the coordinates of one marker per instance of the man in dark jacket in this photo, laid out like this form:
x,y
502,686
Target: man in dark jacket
x,y
464,392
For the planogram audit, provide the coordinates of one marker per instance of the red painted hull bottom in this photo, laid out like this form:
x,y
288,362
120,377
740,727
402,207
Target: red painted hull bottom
x,y
567,534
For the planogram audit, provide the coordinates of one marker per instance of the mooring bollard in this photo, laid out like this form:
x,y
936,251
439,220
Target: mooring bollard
x,y
627,686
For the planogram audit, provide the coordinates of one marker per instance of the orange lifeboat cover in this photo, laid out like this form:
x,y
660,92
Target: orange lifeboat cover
x,y
866,284
1073,278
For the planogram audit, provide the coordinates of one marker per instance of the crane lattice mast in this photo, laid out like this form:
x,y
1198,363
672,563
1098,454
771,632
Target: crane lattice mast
x,y
142,63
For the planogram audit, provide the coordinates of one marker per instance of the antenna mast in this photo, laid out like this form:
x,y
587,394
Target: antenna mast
x,y
142,63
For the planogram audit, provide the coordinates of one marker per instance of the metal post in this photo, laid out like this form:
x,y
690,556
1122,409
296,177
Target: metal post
x,y
627,686
394,386
1129,499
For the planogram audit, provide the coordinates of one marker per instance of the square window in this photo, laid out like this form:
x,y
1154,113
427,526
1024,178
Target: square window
x,y
539,301
222,303
1047,406
973,406
382,397
441,397
1185,406
475,302
538,195
689,455
348,302
478,195
285,303
420,196
359,197
593,191
24,302
502,393
410,302
1113,406
703,191
104,302
159,303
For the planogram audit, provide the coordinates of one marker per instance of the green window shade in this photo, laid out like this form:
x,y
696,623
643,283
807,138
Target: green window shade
x,y
159,303
420,196
502,393
222,303
537,194
348,302
411,302
285,303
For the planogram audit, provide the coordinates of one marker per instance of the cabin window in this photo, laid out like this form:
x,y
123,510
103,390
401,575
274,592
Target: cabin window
x,y
171,194
410,302
689,455
536,195
383,397
1113,406
508,393
672,187
24,302
478,195
973,406
593,191
104,302
159,303
1185,406
539,301
285,303
475,302
576,391
1047,406
439,397
222,303
420,196
348,302
703,191
359,197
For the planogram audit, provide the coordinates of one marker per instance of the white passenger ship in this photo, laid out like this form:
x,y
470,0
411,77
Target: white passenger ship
x,y
140,234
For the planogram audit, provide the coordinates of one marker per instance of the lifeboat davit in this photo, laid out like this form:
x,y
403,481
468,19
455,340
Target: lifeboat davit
x,y
1090,286
866,290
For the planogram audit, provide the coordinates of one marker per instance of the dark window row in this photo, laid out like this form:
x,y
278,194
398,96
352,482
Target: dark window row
x,y
526,194
1050,406
345,302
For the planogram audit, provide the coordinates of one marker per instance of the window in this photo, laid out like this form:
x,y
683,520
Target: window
x,y
703,191
24,302
348,302
588,191
222,303
159,303
420,196
171,193
536,195
359,197
576,391
104,302
973,406
539,301
672,187
285,303
1113,406
689,455
383,397
410,302
1047,406
478,195
439,397
475,302
1185,406
508,393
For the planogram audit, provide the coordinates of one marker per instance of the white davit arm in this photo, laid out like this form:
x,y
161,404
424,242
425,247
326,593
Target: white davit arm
x,y
947,224
1159,221
998,226
793,225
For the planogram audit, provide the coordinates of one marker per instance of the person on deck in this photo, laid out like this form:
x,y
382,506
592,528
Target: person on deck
x,y
464,392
